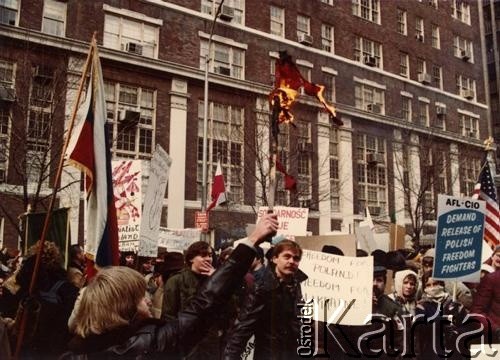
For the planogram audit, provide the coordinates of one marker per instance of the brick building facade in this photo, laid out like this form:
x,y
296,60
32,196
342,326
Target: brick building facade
x,y
406,78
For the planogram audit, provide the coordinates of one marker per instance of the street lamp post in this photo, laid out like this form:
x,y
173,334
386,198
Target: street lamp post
x,y
205,114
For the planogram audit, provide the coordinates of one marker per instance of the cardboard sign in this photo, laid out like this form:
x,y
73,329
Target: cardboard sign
x,y
346,243
127,182
178,239
397,237
333,282
292,221
366,239
153,202
459,238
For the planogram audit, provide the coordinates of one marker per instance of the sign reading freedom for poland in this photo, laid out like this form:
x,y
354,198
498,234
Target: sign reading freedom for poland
x,y
292,221
459,238
334,282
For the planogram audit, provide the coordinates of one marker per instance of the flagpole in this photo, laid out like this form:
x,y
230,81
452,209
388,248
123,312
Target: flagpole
x,y
204,191
54,193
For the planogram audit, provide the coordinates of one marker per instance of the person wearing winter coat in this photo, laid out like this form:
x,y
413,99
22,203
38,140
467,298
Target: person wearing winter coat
x,y
438,323
48,308
464,294
270,312
487,299
114,320
405,290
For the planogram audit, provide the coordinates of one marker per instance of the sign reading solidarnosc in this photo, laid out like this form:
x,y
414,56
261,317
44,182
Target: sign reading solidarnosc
x,y
338,282
459,238
292,221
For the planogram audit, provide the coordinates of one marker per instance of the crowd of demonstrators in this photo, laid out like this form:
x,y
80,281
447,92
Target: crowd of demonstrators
x,y
193,305
111,329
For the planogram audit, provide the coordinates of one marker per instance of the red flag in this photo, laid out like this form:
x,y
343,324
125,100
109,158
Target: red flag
x,y
89,150
290,182
218,189
288,81
485,190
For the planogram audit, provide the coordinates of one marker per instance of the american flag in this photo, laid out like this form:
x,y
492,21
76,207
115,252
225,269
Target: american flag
x,y
485,190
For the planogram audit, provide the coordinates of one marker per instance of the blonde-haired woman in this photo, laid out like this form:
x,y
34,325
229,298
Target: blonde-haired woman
x,y
114,321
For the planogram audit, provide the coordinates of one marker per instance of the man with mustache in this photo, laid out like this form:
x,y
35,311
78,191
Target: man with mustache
x,y
270,312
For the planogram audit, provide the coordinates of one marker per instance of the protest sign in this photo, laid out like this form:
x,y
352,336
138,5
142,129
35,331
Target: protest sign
x,y
127,184
366,239
333,282
459,238
345,242
153,202
178,239
292,221
397,237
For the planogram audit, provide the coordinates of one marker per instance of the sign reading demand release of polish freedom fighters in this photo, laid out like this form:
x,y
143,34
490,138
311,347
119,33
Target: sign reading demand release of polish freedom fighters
x,y
292,221
153,202
459,238
334,282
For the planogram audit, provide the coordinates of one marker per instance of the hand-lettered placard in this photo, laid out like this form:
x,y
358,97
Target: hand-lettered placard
x,y
334,282
459,238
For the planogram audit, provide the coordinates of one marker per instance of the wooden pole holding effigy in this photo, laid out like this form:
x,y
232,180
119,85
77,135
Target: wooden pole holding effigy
x,y
57,178
274,127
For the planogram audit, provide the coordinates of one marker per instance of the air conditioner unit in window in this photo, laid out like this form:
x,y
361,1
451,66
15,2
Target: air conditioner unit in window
x,y
7,93
375,158
374,108
41,71
429,215
468,94
370,60
305,39
374,210
129,117
472,134
305,147
420,37
223,70
134,48
226,13
440,110
465,54
305,203
424,78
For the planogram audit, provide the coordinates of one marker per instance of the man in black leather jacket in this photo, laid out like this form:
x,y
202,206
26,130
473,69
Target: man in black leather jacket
x,y
144,337
271,312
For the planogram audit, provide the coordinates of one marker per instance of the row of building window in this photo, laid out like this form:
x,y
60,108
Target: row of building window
x,y
125,33
131,118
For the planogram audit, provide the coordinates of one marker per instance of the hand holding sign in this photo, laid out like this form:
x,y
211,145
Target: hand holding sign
x,y
267,225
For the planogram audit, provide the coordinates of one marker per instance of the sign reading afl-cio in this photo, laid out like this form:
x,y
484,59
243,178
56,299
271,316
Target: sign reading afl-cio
x,y
459,238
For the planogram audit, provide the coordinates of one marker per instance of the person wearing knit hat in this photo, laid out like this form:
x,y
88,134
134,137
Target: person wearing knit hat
x,y
405,290
464,294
